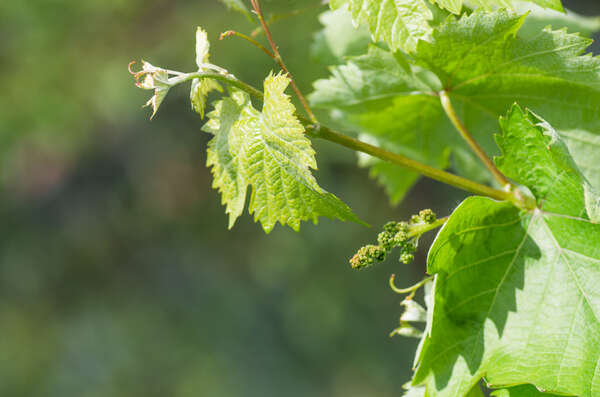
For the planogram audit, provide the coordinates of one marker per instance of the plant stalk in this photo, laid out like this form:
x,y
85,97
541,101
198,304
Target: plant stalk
x,y
220,76
458,124
423,169
319,131
417,232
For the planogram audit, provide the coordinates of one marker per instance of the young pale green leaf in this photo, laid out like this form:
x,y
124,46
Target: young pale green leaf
x,y
400,23
199,93
485,67
202,87
269,151
202,47
490,4
517,295
338,38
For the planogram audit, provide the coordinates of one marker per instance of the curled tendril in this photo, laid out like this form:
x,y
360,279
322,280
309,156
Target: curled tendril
x,y
410,290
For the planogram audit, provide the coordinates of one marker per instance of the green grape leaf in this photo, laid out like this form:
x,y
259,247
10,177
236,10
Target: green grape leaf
x,y
400,23
592,203
521,391
489,4
269,151
485,66
338,38
382,95
534,155
202,87
414,391
497,67
420,391
239,6
539,17
517,297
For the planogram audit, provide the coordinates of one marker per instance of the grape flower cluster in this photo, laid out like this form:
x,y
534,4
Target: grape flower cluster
x,y
404,235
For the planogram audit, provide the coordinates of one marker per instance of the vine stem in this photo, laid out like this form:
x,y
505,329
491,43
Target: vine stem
x,y
319,131
219,75
458,124
424,169
277,57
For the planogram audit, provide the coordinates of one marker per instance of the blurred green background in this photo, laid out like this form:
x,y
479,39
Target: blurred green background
x,y
118,276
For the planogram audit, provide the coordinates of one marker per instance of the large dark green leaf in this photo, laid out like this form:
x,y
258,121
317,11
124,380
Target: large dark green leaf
x,y
517,296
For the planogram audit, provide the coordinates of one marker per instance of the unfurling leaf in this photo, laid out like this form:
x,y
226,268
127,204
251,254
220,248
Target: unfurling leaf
x,y
202,87
199,92
268,151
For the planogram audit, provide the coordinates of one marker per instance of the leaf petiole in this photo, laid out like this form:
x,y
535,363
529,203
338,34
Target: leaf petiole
x,y
460,127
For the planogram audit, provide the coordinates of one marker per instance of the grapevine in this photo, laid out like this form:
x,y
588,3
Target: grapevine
x,y
511,298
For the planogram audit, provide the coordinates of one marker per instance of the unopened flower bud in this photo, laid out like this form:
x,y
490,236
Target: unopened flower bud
x,y
366,256
407,257
386,240
391,227
428,216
